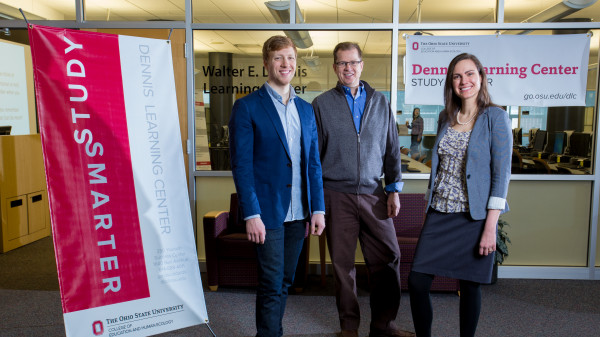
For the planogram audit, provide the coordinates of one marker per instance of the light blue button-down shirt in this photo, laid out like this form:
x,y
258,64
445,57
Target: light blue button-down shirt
x,y
356,104
288,114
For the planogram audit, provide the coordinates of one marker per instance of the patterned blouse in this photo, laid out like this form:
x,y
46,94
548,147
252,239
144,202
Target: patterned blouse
x,y
450,187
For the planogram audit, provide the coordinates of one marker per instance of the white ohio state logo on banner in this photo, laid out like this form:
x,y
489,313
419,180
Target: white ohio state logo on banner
x,y
537,70
120,212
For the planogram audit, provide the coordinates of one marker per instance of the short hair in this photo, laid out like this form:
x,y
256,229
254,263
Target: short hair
x,y
275,43
346,46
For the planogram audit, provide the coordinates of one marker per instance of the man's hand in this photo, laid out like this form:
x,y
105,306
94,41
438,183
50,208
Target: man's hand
x,y
255,229
393,204
317,224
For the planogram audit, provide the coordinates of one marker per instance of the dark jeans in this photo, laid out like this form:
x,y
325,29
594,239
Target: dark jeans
x,y
414,144
277,260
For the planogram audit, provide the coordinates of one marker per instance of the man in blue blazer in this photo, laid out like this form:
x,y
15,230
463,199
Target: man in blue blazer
x,y
277,174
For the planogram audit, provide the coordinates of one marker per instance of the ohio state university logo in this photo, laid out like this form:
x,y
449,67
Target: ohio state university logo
x,y
97,328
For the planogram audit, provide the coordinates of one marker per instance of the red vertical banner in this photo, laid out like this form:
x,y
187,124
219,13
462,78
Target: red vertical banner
x,y
83,126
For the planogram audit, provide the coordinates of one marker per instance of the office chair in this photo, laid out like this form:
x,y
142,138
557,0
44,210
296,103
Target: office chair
x,y
541,166
428,143
517,162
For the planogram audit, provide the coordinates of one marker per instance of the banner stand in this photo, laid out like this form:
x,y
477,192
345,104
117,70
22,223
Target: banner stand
x,y
119,207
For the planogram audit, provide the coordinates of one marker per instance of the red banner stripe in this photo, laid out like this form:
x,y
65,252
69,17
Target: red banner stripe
x,y
93,207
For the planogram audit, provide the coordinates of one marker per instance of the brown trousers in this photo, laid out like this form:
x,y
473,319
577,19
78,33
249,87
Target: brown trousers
x,y
364,217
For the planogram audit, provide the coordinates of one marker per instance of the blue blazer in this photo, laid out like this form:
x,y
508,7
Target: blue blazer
x,y
489,156
261,162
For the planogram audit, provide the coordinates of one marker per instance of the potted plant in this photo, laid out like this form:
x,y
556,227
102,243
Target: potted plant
x,y
501,248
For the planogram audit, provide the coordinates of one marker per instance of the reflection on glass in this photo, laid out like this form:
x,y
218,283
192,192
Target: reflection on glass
x,y
281,12
554,139
232,11
351,11
307,11
551,11
38,10
124,10
480,11
544,133
233,67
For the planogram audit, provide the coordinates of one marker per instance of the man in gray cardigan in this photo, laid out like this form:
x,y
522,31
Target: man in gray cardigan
x,y
358,143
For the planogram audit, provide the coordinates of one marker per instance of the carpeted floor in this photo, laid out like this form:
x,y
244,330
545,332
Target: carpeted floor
x,y
30,305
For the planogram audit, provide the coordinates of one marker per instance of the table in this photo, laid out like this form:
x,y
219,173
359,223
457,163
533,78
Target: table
x,y
414,166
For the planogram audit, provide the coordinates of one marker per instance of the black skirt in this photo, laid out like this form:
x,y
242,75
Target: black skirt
x,y
449,246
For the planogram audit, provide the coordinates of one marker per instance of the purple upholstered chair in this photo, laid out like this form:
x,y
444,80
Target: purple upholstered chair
x,y
408,225
230,257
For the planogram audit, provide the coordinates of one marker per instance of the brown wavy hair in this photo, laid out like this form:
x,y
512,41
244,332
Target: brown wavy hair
x,y
452,103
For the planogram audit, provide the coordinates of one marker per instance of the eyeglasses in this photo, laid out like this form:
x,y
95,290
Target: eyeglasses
x,y
343,64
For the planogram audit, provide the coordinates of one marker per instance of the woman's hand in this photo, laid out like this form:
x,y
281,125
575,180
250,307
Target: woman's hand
x,y
487,244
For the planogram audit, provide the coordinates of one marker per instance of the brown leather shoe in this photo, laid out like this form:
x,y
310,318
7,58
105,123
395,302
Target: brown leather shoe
x,y
349,333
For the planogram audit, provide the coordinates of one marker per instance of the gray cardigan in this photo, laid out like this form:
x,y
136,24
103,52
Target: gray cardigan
x,y
489,156
351,162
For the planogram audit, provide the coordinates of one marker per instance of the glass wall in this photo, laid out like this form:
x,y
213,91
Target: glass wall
x,y
236,70
564,143
240,50
37,9
134,10
551,11
351,11
473,11
231,11
228,65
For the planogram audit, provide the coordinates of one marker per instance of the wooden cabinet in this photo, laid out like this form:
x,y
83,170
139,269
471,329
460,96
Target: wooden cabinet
x,y
24,209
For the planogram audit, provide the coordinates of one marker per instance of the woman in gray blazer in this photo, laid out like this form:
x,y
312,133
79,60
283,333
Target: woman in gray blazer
x,y
470,172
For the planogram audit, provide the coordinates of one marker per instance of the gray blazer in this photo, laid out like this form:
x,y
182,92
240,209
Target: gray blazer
x,y
489,156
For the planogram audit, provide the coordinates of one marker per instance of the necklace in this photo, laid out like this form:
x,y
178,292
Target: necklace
x,y
467,122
